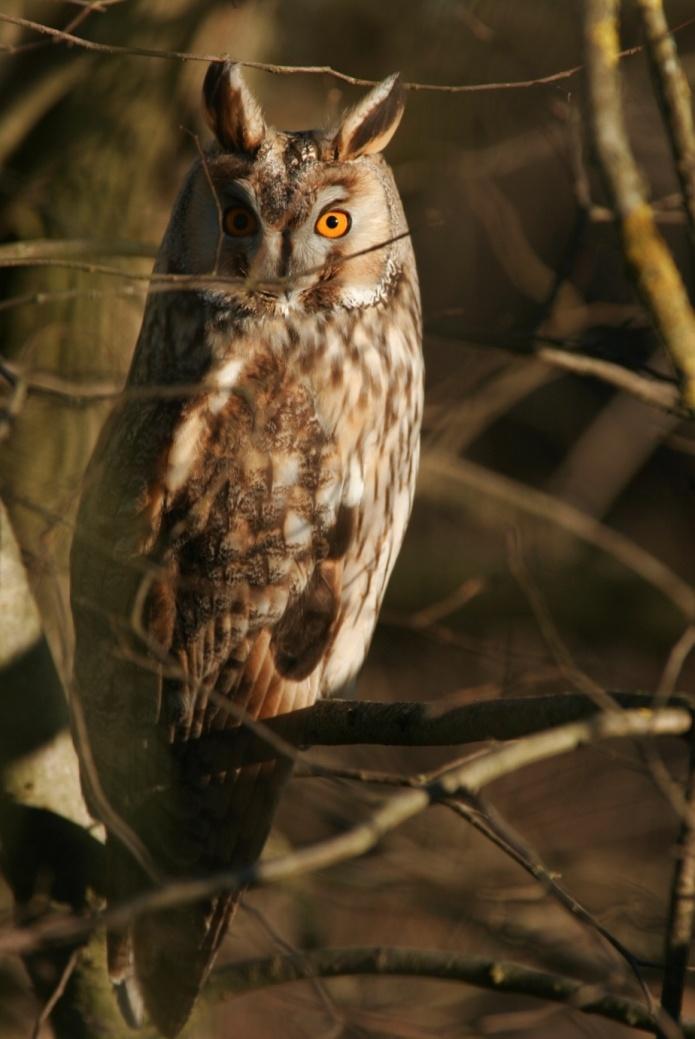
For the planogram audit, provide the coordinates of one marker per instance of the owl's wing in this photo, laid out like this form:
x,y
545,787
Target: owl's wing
x,y
206,588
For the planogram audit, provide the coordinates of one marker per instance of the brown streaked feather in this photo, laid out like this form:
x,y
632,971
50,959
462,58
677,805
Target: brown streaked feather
x,y
235,537
233,625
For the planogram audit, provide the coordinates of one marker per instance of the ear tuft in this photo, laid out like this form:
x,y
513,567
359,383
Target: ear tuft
x,y
368,127
233,114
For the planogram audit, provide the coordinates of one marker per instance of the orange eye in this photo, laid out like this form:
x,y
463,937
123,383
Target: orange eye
x,y
333,224
239,222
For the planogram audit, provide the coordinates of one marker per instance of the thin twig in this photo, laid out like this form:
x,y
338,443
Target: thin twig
x,y
40,249
499,976
658,392
88,7
491,825
57,994
93,5
105,811
444,478
647,256
451,603
44,298
568,669
215,198
679,932
333,1011
680,652
323,70
211,282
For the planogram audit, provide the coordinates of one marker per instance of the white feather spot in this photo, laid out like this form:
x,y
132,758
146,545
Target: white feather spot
x,y
296,530
347,653
225,378
267,604
285,470
354,486
183,452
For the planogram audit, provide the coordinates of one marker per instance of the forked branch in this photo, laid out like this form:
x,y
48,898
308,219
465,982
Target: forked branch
x,y
469,776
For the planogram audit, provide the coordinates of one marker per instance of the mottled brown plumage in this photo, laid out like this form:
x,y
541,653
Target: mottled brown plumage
x,y
235,538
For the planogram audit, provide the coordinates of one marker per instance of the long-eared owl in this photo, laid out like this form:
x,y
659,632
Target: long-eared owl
x,y
244,505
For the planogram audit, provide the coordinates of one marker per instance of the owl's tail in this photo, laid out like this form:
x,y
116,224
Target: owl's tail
x,y
170,954
160,963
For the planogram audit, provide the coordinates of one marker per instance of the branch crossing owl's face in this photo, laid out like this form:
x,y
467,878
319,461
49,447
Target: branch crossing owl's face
x,y
291,222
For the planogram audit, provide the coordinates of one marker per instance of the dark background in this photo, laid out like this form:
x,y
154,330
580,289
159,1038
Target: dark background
x,y
94,146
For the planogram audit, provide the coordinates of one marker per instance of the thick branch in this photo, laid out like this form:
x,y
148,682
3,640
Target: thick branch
x,y
673,92
649,261
499,976
333,723
469,776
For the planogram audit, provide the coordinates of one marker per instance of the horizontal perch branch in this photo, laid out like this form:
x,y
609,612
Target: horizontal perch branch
x,y
498,975
469,776
333,723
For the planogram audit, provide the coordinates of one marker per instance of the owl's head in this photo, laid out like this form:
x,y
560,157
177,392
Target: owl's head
x,y
307,220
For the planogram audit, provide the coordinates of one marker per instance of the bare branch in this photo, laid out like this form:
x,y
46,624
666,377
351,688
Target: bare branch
x,y
680,652
681,921
658,392
64,36
497,975
88,7
332,723
487,821
673,92
40,249
157,280
443,477
568,669
648,259
56,995
469,776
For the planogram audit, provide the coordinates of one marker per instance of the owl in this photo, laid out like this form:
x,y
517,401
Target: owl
x,y
244,505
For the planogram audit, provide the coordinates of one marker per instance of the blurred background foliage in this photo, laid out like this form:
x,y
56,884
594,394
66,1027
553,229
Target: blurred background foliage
x,y
495,185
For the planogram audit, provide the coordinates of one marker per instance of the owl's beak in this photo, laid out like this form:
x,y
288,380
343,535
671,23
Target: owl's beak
x,y
272,270
268,270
